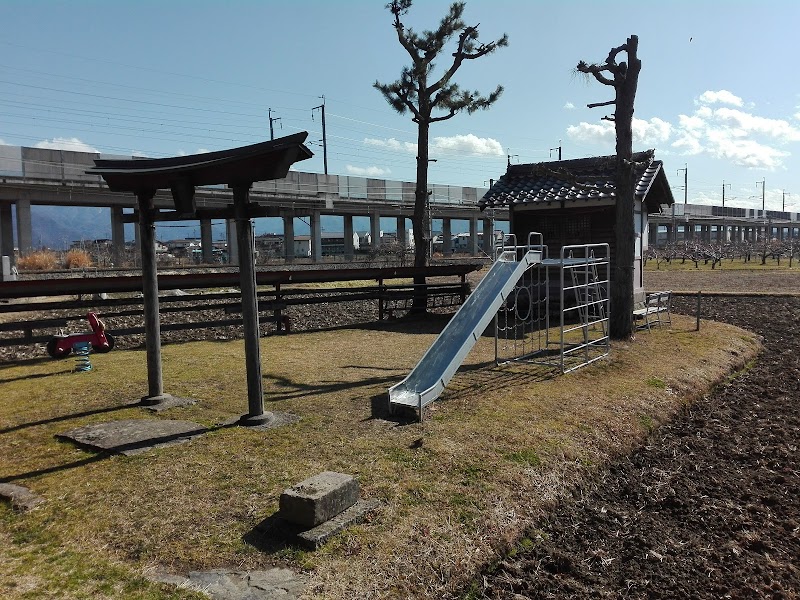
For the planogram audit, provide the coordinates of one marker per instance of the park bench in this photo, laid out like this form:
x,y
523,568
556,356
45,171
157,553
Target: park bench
x,y
656,310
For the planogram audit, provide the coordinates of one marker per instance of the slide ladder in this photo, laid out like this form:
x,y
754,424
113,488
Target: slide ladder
x,y
438,365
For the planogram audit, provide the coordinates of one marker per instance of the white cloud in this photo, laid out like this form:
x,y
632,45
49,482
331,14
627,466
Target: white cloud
x,y
720,97
392,144
592,132
569,106
731,134
467,144
688,143
652,132
367,171
60,143
776,128
744,152
645,133
457,144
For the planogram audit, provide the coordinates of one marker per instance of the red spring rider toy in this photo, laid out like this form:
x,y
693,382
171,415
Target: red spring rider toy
x,y
61,345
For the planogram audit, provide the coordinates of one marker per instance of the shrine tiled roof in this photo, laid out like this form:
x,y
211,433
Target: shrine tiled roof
x,y
579,180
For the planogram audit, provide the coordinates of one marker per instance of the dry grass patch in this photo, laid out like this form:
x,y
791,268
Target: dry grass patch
x,y
41,260
500,446
77,259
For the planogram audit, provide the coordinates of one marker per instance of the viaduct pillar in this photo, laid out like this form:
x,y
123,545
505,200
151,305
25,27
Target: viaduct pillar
x,y
6,232
288,238
117,236
24,230
375,230
233,242
473,236
316,237
447,237
348,237
206,241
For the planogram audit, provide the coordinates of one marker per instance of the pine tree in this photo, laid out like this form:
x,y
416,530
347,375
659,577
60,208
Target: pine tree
x,y
430,99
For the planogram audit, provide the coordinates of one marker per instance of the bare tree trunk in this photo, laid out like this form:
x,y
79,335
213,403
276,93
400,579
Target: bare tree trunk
x,y
621,296
420,303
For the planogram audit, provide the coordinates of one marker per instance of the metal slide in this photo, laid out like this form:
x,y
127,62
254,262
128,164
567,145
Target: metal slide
x,y
433,372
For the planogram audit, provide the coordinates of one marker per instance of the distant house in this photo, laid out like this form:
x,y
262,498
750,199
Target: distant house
x,y
270,243
332,244
461,242
99,244
183,247
573,202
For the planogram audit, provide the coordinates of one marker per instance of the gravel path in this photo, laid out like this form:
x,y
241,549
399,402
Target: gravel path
x,y
709,508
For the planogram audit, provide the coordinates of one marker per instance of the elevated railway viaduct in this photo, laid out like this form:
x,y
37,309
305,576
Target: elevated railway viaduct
x,y
30,176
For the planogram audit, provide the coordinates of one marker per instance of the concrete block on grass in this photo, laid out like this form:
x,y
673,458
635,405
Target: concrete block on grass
x,y
318,498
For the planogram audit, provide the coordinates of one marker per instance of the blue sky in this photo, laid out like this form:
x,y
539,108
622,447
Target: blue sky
x,y
718,92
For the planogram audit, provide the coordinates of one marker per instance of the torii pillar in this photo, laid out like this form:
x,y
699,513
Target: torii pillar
x,y
152,322
247,277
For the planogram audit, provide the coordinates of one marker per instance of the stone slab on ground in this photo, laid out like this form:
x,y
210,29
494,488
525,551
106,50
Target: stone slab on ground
x,y
221,584
20,497
318,498
316,537
133,436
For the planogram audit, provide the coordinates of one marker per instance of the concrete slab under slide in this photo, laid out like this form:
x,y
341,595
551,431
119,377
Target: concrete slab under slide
x,y
133,436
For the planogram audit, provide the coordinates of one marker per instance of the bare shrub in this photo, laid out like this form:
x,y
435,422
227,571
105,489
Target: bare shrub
x,y
41,260
77,259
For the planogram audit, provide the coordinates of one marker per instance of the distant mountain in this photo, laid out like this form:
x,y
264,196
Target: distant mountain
x,y
58,227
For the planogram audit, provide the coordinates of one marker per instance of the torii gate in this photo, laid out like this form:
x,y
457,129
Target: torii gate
x,y
238,168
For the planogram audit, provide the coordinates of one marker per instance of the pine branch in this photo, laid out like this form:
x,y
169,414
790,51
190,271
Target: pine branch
x,y
596,71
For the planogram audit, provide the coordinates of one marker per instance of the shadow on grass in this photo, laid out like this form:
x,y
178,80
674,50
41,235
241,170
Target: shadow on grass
x,y
475,378
273,535
34,376
379,410
291,389
46,471
85,413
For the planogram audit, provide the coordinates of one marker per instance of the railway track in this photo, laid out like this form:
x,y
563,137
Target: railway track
x,y
310,299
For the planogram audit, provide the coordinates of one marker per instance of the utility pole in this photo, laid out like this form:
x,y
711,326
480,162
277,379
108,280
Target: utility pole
x,y
763,183
763,187
685,170
557,148
724,230
783,204
321,108
271,121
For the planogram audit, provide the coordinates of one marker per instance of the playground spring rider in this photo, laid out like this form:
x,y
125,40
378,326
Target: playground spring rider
x,y
61,345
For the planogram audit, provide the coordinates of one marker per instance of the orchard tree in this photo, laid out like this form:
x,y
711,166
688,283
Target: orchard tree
x,y
624,78
430,98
